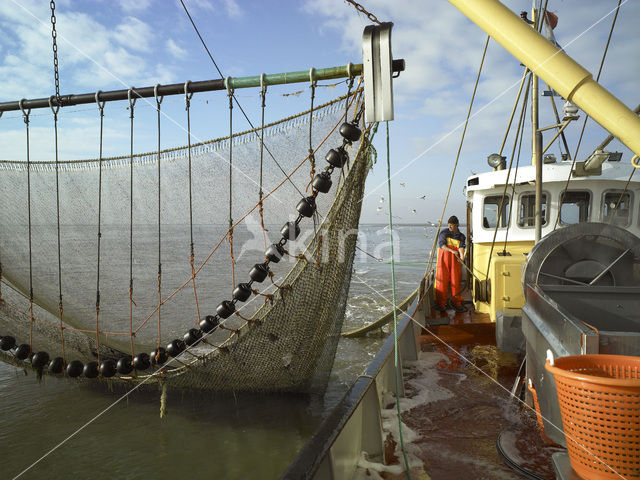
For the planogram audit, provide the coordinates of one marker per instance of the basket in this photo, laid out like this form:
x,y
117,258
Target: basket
x,y
599,398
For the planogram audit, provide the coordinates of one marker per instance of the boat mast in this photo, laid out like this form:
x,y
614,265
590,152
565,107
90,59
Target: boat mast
x,y
536,138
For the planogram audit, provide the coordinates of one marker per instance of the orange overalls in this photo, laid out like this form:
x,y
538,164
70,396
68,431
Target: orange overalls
x,y
448,270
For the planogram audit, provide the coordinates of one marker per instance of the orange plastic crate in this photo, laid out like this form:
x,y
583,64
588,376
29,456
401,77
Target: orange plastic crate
x,y
599,399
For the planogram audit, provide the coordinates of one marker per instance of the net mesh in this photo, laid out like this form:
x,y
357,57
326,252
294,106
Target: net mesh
x,y
290,337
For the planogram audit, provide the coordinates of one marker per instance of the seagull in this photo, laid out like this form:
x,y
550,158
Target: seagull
x,y
381,199
413,210
421,197
379,209
402,185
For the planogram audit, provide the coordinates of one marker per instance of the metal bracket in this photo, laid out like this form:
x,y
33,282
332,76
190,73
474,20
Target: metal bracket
x,y
377,68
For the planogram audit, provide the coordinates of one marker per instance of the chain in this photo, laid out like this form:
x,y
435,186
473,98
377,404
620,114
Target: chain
x,y
54,35
361,9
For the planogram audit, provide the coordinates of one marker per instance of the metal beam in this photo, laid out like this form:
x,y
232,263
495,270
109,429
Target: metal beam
x,y
195,87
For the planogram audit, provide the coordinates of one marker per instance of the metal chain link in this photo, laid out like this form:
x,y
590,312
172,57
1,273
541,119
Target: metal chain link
x,y
361,9
54,35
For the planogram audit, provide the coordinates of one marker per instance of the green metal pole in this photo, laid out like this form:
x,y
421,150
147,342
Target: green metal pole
x,y
201,86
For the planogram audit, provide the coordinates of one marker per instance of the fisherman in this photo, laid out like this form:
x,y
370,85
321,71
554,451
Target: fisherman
x,y
451,251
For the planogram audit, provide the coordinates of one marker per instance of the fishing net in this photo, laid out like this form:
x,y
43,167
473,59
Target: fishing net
x,y
147,211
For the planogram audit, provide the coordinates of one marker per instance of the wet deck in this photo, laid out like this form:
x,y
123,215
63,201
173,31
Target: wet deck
x,y
458,426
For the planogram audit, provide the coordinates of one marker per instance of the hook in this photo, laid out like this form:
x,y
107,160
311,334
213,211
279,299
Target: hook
x,y
635,161
25,115
187,95
263,87
155,94
226,85
100,104
54,110
132,102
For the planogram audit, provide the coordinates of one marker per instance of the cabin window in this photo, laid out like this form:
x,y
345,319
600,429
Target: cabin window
x,y
527,213
616,208
575,207
492,208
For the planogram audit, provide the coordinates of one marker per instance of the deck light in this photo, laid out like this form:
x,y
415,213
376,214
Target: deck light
x,y
498,162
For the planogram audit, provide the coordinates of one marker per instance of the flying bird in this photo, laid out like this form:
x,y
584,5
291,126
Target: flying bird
x,y
413,210
402,184
379,209
421,197
381,199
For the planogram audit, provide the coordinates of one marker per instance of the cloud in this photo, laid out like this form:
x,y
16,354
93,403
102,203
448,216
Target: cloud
x,y
135,34
175,50
134,5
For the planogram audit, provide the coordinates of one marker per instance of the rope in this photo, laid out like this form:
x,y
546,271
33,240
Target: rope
x,y
506,183
395,313
253,129
604,55
60,307
187,99
455,165
101,109
312,158
158,102
25,117
233,262
263,95
240,220
513,111
132,103
515,175
584,123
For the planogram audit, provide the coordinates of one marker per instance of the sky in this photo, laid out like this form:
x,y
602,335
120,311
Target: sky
x,y
115,44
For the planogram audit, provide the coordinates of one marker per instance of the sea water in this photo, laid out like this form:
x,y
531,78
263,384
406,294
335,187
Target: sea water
x,y
61,428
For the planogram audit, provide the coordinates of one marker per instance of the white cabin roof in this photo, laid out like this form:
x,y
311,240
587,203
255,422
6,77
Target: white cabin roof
x,y
551,172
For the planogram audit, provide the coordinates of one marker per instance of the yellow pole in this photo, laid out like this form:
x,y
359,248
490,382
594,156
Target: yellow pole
x,y
555,67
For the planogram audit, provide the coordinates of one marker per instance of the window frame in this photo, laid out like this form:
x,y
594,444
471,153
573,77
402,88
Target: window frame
x,y
631,202
546,194
509,205
590,206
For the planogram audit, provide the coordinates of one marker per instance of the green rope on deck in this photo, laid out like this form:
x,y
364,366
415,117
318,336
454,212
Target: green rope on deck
x,y
395,314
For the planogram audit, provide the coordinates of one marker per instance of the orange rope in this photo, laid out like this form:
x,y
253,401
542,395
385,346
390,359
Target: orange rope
x,y
195,293
264,235
250,320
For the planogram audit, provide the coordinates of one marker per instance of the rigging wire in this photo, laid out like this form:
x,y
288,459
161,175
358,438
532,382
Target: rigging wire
x,y
233,262
187,101
584,123
55,111
398,372
455,165
159,99
236,100
25,116
506,183
132,103
101,111
604,55
263,97
515,175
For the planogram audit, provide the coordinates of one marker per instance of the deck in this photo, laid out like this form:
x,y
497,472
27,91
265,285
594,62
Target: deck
x,y
457,436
